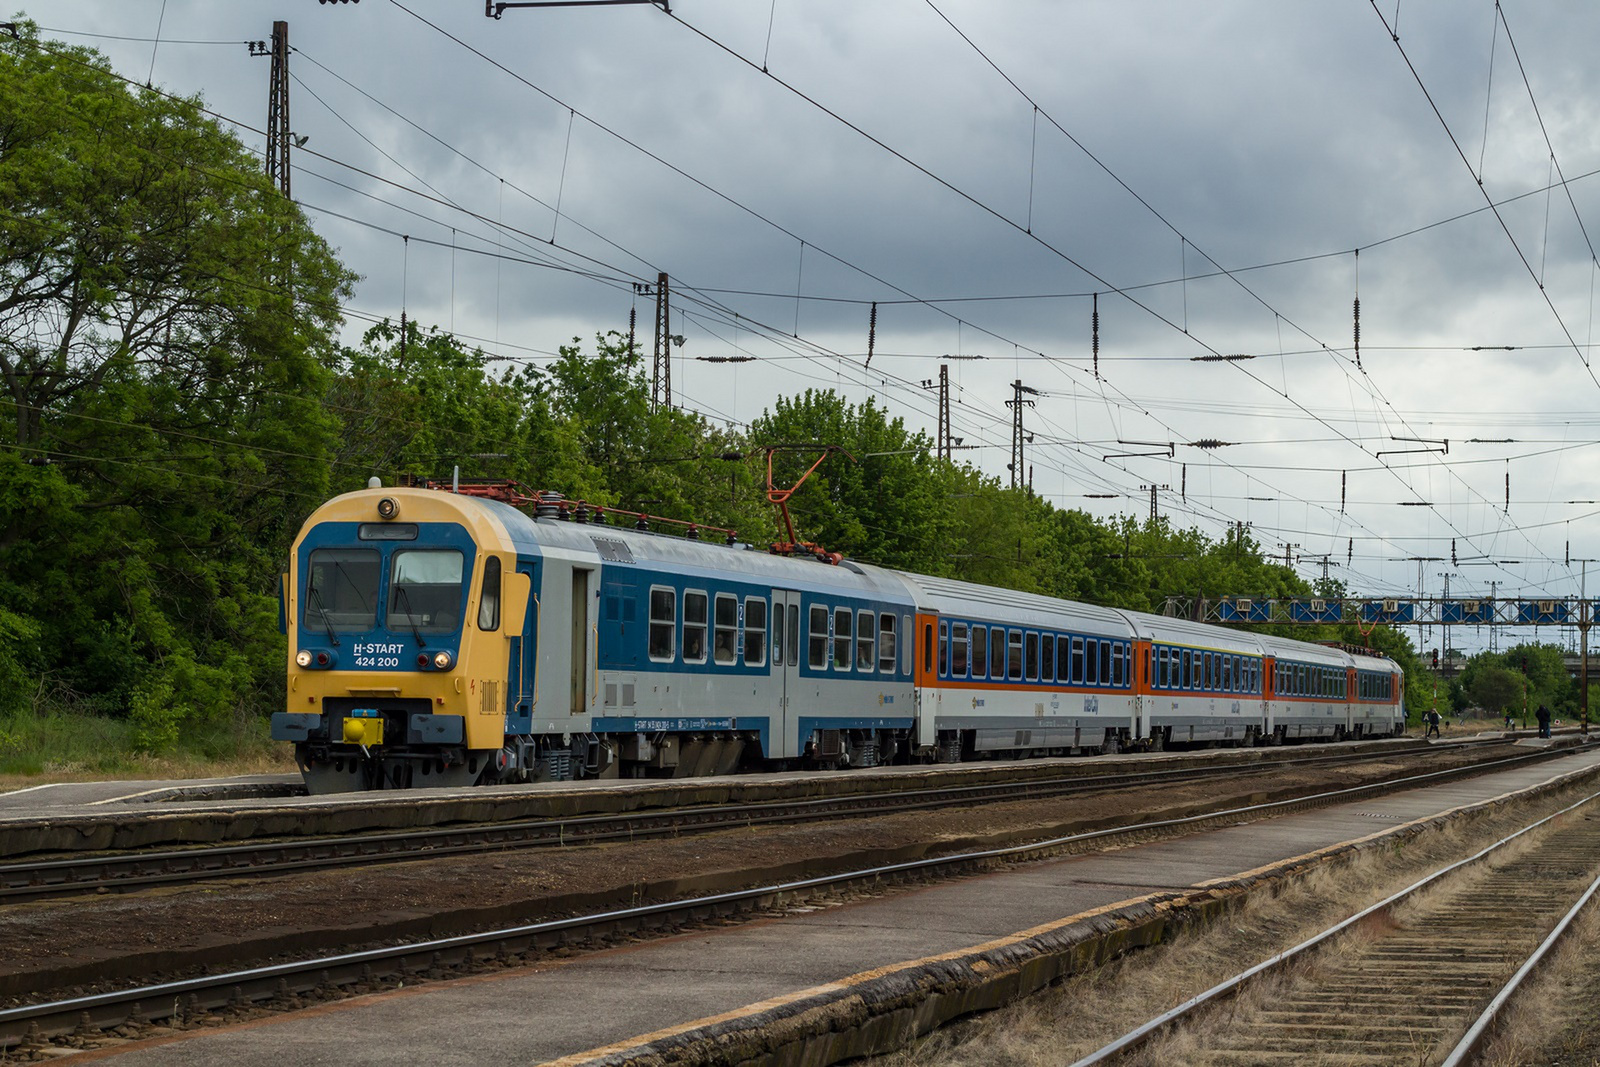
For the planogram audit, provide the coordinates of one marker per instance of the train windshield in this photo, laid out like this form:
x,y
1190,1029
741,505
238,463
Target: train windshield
x,y
342,593
425,589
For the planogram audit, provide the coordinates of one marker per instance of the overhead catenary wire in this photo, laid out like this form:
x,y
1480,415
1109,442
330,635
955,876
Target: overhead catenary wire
x,y
797,357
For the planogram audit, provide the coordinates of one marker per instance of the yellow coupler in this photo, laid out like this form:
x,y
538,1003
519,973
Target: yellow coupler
x,y
877,1011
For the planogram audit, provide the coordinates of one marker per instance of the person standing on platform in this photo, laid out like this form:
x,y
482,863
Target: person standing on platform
x,y
1433,725
1543,715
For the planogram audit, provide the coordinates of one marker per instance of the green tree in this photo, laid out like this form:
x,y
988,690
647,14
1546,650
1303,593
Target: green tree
x,y
1495,689
430,406
880,501
166,318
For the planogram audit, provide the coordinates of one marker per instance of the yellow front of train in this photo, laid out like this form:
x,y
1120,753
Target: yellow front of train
x,y
396,605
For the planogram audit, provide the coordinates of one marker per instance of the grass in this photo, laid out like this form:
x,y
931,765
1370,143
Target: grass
x,y
37,748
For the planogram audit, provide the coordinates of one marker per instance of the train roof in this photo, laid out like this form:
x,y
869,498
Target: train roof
x,y
498,523
495,520
949,596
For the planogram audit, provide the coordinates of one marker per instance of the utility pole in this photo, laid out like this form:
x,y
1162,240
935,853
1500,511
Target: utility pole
x,y
945,442
1017,436
1325,561
944,412
278,110
1445,626
1493,611
1584,622
661,378
1155,512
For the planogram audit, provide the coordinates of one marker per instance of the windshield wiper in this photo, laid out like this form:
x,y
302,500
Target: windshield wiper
x,y
312,594
401,594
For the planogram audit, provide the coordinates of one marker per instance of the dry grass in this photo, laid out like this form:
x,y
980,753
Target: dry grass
x,y
1085,1013
136,767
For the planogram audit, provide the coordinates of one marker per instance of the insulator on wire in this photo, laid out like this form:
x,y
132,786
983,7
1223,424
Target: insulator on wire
x,y
1358,332
1094,329
872,333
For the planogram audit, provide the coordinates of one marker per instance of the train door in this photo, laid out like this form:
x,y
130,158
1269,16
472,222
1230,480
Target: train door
x,y
582,607
786,645
523,630
925,676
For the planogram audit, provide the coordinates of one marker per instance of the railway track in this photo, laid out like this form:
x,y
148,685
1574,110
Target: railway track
x,y
52,877
321,977
1422,982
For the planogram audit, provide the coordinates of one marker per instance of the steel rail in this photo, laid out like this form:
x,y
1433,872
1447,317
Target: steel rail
x,y
32,880
104,1010
1138,1036
1467,1048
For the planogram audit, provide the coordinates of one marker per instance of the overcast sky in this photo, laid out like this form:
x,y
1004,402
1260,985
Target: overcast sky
x,y
981,170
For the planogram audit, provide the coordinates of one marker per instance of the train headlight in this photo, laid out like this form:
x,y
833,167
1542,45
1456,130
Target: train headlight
x,y
442,660
303,658
388,508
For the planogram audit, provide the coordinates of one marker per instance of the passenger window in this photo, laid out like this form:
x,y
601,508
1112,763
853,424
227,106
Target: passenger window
x,y
980,652
958,649
818,638
778,635
1014,655
997,652
663,623
725,641
755,631
944,649
841,639
1091,655
1047,658
794,634
1117,659
1030,657
886,643
694,626
1077,661
489,598
864,640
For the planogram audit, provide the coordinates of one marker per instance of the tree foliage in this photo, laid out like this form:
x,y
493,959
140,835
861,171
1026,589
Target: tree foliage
x,y
166,318
179,402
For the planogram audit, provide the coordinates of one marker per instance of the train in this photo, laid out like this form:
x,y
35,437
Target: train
x,y
441,636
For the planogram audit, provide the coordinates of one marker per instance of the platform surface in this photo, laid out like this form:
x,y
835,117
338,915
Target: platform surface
x,y
563,1008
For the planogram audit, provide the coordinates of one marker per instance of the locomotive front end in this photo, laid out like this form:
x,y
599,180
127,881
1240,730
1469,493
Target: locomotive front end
x,y
394,603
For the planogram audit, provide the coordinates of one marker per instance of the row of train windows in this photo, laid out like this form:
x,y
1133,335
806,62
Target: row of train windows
x,y
721,624
1377,687
862,640
1183,668
1021,655
1303,680
870,642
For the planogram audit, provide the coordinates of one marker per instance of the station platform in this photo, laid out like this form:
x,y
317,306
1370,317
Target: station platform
x,y
602,1007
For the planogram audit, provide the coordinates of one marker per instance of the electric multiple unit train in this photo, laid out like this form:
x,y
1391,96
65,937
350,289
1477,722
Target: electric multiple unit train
x,y
441,638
